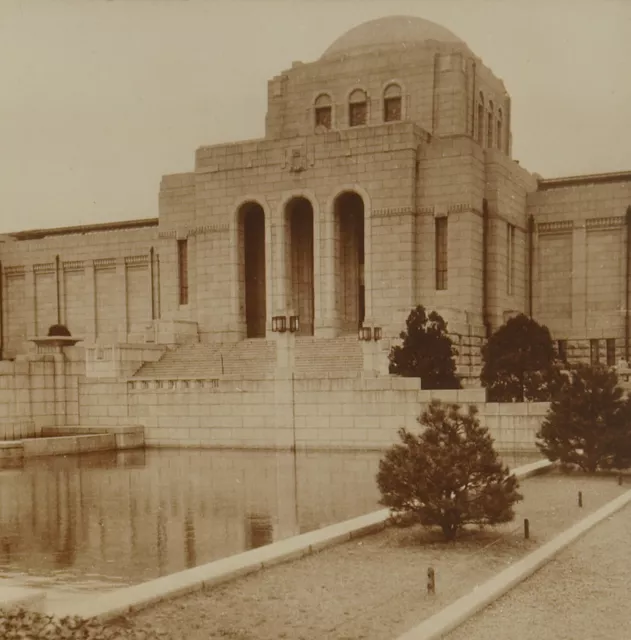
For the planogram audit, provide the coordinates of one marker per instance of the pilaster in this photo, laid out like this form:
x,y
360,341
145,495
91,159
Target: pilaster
x,y
579,279
30,301
90,307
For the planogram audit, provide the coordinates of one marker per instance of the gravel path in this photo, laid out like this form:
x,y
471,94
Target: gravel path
x,y
582,593
374,588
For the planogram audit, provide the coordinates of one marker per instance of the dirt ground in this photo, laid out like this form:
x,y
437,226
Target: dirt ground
x,y
582,593
374,588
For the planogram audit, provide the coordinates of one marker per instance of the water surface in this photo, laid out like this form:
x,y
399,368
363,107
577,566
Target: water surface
x,y
79,525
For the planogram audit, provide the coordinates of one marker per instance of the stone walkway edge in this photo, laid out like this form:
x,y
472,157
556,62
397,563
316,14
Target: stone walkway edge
x,y
109,606
455,614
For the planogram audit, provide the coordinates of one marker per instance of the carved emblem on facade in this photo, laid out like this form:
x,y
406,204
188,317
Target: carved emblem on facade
x,y
297,161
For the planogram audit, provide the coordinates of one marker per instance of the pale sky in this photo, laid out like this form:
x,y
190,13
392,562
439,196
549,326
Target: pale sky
x,y
100,98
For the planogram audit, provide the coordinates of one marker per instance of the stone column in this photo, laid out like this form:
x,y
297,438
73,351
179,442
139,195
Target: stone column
x,y
278,294
325,319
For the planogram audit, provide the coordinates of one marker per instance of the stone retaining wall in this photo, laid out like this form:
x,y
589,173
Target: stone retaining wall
x,y
327,413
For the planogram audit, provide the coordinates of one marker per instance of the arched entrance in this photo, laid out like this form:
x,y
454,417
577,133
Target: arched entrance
x,y
251,220
299,260
349,261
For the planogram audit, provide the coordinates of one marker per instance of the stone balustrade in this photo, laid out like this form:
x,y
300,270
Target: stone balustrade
x,y
179,384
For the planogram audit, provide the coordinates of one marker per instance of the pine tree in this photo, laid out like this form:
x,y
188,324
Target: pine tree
x,y
519,362
589,424
427,352
449,475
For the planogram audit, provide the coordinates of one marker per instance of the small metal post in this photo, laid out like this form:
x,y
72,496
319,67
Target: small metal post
x,y
526,528
620,479
431,581
580,498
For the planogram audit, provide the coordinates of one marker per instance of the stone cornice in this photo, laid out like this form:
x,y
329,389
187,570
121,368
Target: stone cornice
x,y
392,212
209,228
73,265
48,267
561,226
14,271
588,179
104,263
137,260
555,227
605,223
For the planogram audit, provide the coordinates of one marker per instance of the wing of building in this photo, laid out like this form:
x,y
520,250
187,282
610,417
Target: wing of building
x,y
384,180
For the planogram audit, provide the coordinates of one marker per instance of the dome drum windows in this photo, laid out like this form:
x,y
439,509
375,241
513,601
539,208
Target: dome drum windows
x,y
323,112
357,108
480,119
392,103
499,131
489,126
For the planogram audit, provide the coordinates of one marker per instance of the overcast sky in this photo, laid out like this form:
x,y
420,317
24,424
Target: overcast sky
x,y
99,98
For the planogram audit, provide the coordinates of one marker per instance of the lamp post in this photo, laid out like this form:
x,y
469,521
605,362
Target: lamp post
x,y
365,333
279,324
294,324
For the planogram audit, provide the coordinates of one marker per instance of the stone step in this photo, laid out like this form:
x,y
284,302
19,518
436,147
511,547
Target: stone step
x,y
247,358
328,356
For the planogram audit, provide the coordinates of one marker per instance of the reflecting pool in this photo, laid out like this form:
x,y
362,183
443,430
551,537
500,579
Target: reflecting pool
x,y
82,524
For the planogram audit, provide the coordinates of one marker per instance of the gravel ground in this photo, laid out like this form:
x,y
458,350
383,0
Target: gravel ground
x,y
582,594
374,588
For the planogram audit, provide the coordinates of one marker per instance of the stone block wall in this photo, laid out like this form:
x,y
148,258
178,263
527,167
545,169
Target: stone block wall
x,y
29,398
377,162
103,403
507,189
98,284
334,413
439,85
580,266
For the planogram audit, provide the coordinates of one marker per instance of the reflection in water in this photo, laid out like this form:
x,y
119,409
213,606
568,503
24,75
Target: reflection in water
x,y
189,537
99,521
259,531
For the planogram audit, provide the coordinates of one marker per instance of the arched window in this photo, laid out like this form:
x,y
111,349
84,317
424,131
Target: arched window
x,y
480,118
323,111
498,135
357,108
489,126
392,103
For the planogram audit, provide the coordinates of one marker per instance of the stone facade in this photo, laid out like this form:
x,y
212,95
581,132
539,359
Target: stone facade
x,y
384,180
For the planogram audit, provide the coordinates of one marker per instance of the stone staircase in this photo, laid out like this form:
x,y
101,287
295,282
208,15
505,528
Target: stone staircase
x,y
333,356
248,358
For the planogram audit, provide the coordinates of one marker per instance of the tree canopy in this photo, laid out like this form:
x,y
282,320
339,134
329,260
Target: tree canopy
x,y
519,363
449,475
426,352
589,424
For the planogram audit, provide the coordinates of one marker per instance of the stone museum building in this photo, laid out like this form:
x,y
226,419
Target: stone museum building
x,y
385,179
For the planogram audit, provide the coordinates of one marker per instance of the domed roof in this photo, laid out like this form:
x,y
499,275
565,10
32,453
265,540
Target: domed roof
x,y
392,32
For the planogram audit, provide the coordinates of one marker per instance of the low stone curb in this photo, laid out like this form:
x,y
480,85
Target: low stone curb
x,y
21,598
452,616
134,598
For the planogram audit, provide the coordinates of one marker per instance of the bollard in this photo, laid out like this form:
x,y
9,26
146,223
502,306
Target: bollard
x,y
431,581
526,528
580,498
620,479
